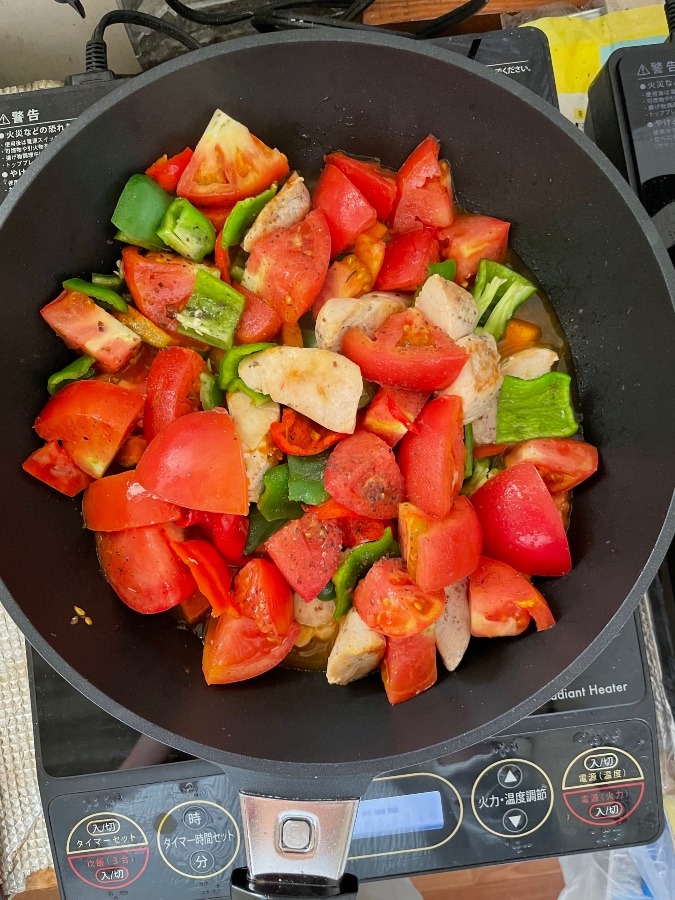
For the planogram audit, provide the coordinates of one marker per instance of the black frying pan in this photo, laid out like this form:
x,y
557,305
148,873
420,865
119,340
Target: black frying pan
x,y
575,225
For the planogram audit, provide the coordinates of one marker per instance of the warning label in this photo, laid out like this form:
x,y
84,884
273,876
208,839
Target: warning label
x,y
22,138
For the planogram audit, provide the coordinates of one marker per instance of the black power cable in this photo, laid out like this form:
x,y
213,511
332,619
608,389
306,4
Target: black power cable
x,y
216,20
670,18
96,53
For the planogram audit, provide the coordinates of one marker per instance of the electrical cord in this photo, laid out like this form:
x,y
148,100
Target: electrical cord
x,y
96,54
670,19
217,20
452,19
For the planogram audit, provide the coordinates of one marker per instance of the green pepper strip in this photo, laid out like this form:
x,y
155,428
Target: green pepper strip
x,y
305,478
74,371
139,212
468,446
445,269
308,337
212,312
229,365
259,529
243,215
210,394
355,566
328,593
187,231
367,393
238,265
273,502
106,298
498,292
113,282
535,409
255,397
478,476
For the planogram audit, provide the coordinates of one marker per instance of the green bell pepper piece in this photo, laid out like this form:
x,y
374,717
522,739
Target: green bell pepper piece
x,y
187,231
498,292
308,337
259,529
238,265
305,478
478,477
355,566
212,312
79,368
445,269
367,393
229,365
468,447
273,503
114,282
328,593
243,215
535,409
256,397
139,212
210,394
106,298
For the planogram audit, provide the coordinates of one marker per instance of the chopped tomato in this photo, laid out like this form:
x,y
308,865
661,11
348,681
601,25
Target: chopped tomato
x,y
519,335
331,509
432,459
209,570
346,277
472,238
360,530
92,419
222,258
84,326
347,211
406,352
134,377
52,465
118,502
167,170
377,184
235,649
297,435
229,533
306,552
423,195
520,522
362,474
258,322
159,283
392,413
142,569
197,462
409,666
217,215
291,335
173,388
369,249
390,602
561,462
484,451
194,610
563,504
262,594
406,260
229,164
439,552
288,267
501,601
131,451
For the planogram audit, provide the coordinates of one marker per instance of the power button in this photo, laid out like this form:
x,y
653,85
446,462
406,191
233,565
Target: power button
x,y
296,834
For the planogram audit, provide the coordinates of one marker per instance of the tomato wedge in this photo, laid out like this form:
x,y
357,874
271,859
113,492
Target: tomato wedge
x,y
92,419
360,530
362,474
306,552
52,465
406,261
390,602
262,593
209,570
347,211
297,435
407,352
197,462
235,649
472,238
227,532
409,666
377,184
346,277
561,462
258,323
142,569
172,389
423,195
392,413
160,284
118,502
502,601
167,170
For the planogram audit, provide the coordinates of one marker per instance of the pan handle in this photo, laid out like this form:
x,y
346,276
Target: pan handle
x,y
295,849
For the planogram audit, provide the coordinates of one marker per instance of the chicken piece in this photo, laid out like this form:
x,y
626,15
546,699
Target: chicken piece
x,y
320,384
315,613
340,314
529,364
357,651
480,380
453,629
287,208
252,424
448,306
485,426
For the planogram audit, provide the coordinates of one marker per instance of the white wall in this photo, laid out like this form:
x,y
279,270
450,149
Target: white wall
x,y
43,39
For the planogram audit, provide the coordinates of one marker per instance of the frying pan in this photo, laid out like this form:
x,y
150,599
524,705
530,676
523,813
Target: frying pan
x,y
289,734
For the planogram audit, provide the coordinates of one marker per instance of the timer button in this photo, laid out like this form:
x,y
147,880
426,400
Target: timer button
x,y
297,834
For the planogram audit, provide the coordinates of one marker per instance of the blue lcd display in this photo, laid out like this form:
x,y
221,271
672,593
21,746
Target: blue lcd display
x,y
399,815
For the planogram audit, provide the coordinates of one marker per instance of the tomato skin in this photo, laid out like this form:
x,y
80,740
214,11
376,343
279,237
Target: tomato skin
x,y
561,462
197,462
359,530
390,602
342,280
392,413
347,211
432,459
377,184
472,238
160,284
440,552
501,601
210,572
222,258
229,533
52,465
172,389
520,522
134,377
296,435
409,666
235,649
142,569
118,502
306,551
406,352
167,170
406,259
262,593
92,419
362,474
258,323
217,216
423,196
